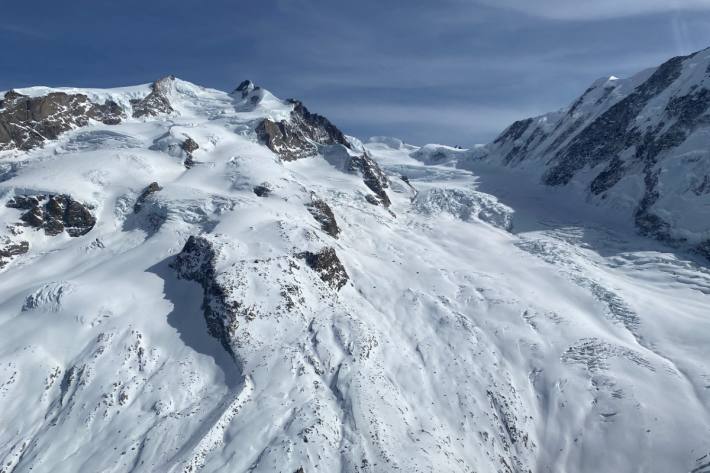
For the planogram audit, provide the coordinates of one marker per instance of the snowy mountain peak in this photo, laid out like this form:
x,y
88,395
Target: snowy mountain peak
x,y
636,144
195,280
244,88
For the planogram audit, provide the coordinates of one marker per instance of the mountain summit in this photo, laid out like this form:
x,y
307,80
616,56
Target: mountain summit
x,y
195,280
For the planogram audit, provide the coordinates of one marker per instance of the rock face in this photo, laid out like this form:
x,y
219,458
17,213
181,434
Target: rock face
x,y
244,88
328,266
152,188
300,136
189,146
637,143
324,215
156,102
27,122
614,131
54,214
9,249
197,262
231,289
372,176
263,190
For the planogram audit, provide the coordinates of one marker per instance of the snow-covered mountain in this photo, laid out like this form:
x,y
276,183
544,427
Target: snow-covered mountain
x,y
195,280
638,144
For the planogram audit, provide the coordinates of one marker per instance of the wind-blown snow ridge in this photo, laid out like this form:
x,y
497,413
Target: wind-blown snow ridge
x,y
226,282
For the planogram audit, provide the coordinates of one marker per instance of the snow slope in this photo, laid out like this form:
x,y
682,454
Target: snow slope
x,y
209,328
636,144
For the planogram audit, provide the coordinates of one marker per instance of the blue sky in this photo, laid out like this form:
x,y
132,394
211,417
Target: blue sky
x,y
447,71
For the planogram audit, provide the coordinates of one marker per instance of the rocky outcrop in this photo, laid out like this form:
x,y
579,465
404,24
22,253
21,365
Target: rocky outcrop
x,y
285,140
156,102
248,95
239,291
152,188
189,146
324,215
244,88
301,135
197,262
263,190
612,131
328,266
372,176
10,249
54,213
27,122
319,128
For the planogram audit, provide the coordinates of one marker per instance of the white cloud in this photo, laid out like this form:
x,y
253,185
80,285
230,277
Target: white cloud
x,y
596,9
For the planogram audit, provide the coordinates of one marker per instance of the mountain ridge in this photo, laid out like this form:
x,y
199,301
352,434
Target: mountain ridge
x,y
225,281
636,142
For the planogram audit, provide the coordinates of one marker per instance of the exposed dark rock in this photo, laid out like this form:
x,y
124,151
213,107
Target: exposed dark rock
x,y
514,131
520,150
156,102
27,122
109,113
301,135
689,112
321,130
9,249
611,132
372,176
189,146
244,88
54,214
25,202
648,223
251,95
609,177
371,199
152,188
324,215
284,139
10,95
327,265
263,190
196,262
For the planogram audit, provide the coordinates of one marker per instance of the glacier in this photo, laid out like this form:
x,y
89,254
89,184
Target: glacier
x,y
257,292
